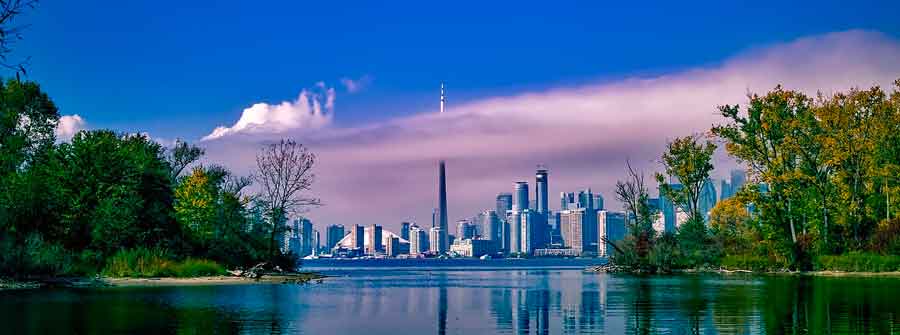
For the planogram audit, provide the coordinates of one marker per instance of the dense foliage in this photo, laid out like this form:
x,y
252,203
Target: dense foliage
x,y
103,199
823,193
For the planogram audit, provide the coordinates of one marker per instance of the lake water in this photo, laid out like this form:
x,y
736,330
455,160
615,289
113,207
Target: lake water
x,y
499,300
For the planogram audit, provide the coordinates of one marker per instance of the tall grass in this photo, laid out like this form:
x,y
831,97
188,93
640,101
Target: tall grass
x,y
858,262
144,263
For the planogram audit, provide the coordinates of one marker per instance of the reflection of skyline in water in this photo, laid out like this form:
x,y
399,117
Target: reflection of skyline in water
x,y
473,302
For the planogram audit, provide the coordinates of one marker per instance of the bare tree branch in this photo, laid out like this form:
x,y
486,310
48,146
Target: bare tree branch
x,y
284,175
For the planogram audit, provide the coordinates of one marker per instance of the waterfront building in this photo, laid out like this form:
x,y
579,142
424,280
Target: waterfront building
x,y
437,237
474,247
707,198
333,234
611,229
358,238
540,191
578,229
316,245
520,202
404,230
504,204
586,199
306,237
557,252
567,201
491,226
465,229
598,202
515,232
393,248
531,232
668,209
374,237
418,242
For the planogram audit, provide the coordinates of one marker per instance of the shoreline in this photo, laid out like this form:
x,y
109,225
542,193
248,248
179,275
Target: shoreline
x,y
109,282
823,273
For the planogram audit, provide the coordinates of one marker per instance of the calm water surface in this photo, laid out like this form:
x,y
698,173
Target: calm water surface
x,y
487,301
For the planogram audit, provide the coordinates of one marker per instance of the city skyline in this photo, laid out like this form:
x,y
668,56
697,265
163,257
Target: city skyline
x,y
374,123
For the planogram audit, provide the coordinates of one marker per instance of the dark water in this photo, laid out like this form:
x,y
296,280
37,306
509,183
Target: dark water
x,y
452,301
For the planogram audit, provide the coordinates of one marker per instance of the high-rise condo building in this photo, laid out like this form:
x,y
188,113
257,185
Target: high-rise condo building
x,y
418,240
540,191
578,228
504,204
374,235
404,230
333,234
520,202
359,234
610,228
491,226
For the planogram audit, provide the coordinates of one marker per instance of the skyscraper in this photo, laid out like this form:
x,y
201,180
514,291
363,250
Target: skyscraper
x,y
306,237
359,238
418,240
374,235
520,202
404,231
514,224
333,234
504,203
610,228
540,191
576,226
598,202
491,226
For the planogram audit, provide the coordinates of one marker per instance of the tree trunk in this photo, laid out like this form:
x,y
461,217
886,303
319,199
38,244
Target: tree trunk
x,y
791,220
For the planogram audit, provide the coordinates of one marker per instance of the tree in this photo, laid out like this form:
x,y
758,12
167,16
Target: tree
x,y
632,192
9,34
28,121
182,155
284,175
729,221
689,161
757,137
114,192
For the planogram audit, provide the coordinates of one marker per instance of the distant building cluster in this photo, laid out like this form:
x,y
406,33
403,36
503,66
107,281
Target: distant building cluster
x,y
516,226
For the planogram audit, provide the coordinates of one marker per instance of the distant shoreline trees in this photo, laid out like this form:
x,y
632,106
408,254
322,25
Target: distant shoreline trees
x,y
825,175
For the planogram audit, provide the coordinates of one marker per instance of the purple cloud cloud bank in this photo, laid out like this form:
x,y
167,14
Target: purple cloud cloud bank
x,y
386,172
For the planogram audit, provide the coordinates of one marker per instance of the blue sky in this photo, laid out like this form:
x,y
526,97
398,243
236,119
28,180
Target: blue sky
x,y
579,87
142,65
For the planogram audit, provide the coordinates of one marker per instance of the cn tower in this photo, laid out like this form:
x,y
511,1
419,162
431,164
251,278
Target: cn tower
x,y
442,197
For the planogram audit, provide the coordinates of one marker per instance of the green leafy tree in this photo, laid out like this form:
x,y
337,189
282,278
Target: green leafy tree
x,y
757,136
114,187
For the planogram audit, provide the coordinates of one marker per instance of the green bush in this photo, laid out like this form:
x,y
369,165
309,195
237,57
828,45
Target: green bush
x,y
858,262
143,263
752,263
197,267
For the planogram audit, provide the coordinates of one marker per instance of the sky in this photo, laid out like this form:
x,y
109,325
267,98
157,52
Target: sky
x,y
580,87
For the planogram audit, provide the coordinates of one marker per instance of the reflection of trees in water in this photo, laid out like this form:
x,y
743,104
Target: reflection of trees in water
x,y
804,305
732,307
640,318
694,304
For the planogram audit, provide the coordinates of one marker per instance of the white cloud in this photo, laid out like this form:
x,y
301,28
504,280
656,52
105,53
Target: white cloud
x,y
68,126
311,110
386,172
356,85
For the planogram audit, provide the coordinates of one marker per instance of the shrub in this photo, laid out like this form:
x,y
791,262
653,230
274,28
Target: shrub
x,y
886,238
856,261
143,263
753,263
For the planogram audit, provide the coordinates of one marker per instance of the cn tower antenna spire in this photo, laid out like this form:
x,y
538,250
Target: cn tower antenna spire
x,y
442,97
